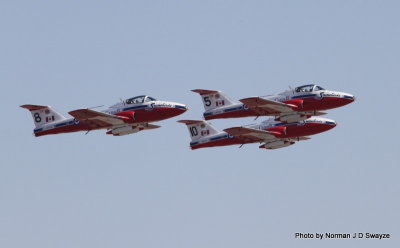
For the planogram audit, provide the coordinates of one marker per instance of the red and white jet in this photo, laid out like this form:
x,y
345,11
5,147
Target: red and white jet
x,y
289,106
270,133
129,116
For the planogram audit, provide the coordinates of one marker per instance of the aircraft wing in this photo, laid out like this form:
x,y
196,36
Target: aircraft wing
x,y
97,120
250,134
264,106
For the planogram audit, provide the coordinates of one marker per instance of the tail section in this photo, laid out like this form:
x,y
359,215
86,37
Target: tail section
x,y
199,129
214,99
43,114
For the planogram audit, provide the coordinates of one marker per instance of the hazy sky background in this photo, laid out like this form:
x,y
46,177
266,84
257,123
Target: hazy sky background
x,y
149,189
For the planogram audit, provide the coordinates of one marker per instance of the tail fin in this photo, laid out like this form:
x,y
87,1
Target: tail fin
x,y
43,114
214,98
199,129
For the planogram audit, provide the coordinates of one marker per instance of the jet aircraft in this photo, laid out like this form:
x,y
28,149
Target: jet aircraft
x,y
126,117
270,133
289,106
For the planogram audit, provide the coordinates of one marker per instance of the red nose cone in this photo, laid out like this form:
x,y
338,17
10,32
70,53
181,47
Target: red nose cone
x,y
323,127
347,99
334,102
311,128
177,110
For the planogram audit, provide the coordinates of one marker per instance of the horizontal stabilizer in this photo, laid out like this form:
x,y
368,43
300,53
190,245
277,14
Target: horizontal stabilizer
x,y
190,122
205,92
31,107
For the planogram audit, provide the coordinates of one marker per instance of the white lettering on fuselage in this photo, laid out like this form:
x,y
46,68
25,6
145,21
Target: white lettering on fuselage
x,y
164,105
314,121
330,94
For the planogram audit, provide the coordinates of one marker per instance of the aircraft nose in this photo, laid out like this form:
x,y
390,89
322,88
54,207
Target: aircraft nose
x,y
349,97
181,107
332,123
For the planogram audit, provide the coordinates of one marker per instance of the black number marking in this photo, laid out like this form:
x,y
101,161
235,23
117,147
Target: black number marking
x,y
207,101
37,117
193,131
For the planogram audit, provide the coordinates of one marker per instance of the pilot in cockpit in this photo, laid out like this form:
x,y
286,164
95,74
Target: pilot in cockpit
x,y
308,88
139,99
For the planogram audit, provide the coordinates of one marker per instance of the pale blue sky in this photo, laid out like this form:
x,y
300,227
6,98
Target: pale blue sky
x,y
149,189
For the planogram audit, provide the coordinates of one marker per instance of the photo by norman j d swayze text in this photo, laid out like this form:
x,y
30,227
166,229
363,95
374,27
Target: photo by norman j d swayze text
x,y
328,235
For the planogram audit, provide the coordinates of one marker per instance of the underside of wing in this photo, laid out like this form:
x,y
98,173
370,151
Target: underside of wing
x,y
280,143
129,129
299,138
97,120
264,106
250,134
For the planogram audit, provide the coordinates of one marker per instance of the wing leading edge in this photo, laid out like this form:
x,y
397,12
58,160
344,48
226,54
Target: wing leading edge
x,y
251,134
264,106
97,120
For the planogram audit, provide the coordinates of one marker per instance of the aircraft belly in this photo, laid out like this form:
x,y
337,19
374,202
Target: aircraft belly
x,y
305,130
311,104
232,114
221,142
156,114
63,129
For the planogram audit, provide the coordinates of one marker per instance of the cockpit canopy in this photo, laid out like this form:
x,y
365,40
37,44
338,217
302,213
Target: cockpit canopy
x,y
308,88
139,99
